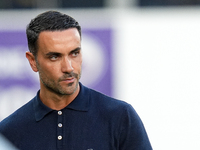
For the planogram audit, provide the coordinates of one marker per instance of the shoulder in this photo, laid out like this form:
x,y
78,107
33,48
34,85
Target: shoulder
x,y
109,103
13,126
104,99
116,110
16,118
123,117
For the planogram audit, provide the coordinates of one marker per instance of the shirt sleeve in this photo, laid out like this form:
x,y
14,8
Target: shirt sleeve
x,y
132,132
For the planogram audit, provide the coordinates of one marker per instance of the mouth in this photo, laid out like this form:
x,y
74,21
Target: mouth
x,y
68,80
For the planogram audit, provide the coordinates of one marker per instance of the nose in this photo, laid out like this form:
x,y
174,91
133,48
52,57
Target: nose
x,y
66,65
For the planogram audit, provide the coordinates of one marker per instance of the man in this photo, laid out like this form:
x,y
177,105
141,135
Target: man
x,y
66,115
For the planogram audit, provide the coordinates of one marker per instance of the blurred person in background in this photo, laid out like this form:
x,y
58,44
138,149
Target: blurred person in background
x,y
65,114
5,144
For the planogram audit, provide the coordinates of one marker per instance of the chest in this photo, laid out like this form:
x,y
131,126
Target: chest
x,y
72,130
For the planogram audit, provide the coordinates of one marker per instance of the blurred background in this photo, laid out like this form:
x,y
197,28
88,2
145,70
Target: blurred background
x,y
145,52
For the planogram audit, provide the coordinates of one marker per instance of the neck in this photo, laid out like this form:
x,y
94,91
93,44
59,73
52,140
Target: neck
x,y
56,101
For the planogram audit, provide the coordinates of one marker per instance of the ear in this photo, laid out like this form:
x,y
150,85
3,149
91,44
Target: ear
x,y
32,61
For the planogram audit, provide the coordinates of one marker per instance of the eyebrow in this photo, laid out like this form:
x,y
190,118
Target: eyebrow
x,y
52,53
76,49
56,53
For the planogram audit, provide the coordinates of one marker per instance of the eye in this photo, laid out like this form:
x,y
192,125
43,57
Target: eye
x,y
75,53
53,57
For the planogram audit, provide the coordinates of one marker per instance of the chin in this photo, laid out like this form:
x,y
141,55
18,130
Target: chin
x,y
71,89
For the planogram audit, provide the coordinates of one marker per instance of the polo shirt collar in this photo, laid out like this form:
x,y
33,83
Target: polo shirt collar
x,y
80,103
40,109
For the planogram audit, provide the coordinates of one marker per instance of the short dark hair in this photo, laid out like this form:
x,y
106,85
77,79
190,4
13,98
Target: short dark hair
x,y
48,21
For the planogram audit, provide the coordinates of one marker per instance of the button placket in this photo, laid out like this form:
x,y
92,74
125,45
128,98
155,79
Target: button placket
x,y
59,129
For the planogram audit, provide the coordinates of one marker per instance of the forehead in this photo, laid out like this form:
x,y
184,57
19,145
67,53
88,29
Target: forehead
x,y
68,38
68,33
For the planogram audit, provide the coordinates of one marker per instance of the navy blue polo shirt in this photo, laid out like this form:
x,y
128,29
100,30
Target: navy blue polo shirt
x,y
92,121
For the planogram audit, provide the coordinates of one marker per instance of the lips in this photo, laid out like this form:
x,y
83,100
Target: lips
x,y
68,80
68,77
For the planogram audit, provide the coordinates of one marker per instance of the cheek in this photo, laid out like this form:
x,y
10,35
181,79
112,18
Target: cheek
x,y
54,70
80,62
78,66
77,63
49,69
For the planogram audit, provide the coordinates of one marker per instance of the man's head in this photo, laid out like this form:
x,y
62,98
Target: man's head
x,y
55,52
48,21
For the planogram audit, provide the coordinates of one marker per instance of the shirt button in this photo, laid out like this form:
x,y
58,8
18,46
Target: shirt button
x,y
59,112
59,137
60,125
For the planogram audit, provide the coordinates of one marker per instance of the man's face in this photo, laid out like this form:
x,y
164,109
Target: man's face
x,y
59,60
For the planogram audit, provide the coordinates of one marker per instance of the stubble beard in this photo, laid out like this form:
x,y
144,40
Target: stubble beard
x,y
56,87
